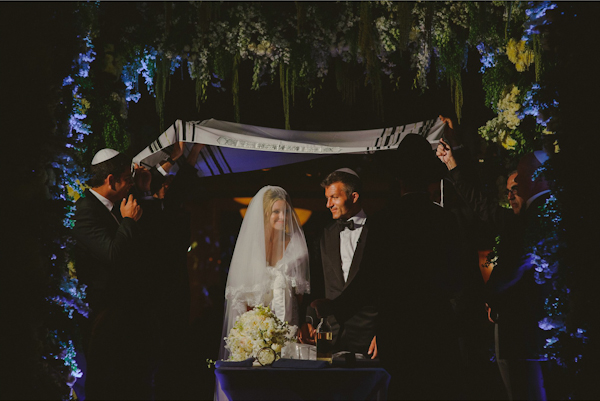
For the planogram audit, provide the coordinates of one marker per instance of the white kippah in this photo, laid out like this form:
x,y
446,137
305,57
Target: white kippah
x,y
541,155
104,155
347,170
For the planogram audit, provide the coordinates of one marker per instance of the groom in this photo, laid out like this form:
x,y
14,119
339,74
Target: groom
x,y
335,261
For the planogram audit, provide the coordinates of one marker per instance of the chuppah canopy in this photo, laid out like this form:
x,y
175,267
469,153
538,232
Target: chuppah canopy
x,y
236,148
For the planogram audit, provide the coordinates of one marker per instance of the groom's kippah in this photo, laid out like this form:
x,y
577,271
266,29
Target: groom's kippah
x,y
104,155
347,170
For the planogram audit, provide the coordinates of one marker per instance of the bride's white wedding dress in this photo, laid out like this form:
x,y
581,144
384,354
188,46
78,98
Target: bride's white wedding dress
x,y
278,295
283,301
270,232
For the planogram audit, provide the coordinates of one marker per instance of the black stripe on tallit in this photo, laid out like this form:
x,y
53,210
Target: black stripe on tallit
x,y
212,155
387,140
148,166
207,164
224,159
378,140
429,124
392,135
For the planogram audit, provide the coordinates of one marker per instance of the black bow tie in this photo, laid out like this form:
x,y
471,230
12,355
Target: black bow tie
x,y
346,223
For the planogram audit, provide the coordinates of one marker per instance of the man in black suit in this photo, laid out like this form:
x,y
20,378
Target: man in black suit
x,y
166,224
109,260
336,260
415,252
515,302
411,266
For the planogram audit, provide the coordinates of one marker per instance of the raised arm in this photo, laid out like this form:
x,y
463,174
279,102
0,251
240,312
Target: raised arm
x,y
465,181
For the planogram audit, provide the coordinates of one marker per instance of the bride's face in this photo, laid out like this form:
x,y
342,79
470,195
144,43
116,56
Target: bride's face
x,y
277,219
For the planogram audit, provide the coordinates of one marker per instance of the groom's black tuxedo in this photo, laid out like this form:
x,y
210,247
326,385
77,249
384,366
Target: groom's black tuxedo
x,y
352,332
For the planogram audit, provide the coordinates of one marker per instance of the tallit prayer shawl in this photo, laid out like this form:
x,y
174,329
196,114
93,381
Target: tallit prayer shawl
x,y
236,148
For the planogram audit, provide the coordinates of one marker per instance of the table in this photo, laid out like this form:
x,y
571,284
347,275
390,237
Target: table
x,y
269,383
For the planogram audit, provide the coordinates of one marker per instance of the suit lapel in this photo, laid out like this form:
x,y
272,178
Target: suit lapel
x,y
332,260
102,210
117,213
360,246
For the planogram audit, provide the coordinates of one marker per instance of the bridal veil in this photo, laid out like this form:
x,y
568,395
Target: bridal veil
x,y
270,256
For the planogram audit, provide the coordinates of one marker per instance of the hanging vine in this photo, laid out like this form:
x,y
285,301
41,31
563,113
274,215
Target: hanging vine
x,y
284,82
367,48
346,82
456,95
235,87
160,87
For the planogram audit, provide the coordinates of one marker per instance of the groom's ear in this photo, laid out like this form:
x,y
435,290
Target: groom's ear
x,y
111,180
354,196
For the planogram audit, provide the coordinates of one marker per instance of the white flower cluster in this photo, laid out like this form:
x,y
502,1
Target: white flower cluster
x,y
508,108
388,33
143,64
431,41
499,129
257,329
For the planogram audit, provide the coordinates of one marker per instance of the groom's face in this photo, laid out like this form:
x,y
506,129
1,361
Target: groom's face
x,y
338,202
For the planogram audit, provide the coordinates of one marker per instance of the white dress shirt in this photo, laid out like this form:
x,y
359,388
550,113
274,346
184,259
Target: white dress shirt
x,y
349,239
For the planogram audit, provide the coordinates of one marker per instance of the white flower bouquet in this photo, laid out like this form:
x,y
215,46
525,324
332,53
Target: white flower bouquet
x,y
257,329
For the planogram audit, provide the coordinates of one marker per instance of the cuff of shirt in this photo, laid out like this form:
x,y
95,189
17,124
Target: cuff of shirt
x,y
162,170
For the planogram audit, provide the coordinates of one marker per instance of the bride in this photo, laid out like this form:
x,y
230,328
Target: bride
x,y
270,261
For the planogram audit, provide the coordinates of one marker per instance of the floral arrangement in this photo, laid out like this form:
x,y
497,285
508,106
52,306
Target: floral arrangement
x,y
519,55
257,329
502,129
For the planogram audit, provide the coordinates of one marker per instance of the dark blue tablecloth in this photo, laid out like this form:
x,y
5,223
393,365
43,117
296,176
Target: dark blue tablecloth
x,y
281,383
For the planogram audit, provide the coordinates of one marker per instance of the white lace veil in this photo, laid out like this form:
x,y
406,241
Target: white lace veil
x,y
265,241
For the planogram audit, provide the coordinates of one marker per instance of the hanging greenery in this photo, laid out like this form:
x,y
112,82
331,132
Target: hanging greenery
x,y
160,87
212,39
236,88
284,82
367,46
